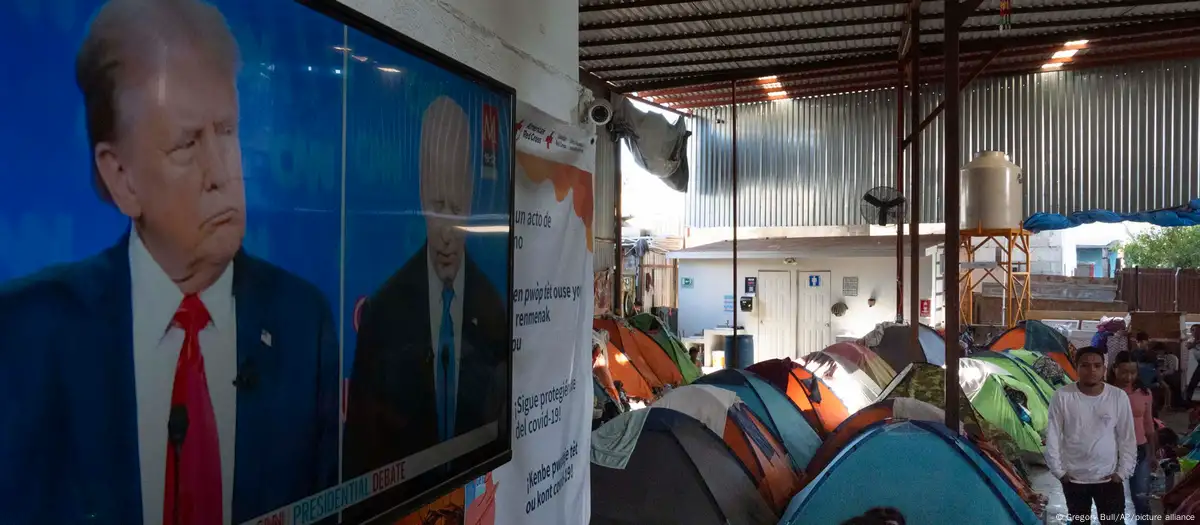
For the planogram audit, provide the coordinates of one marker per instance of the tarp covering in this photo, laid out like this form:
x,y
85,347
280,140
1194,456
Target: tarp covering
x,y
1185,215
815,399
774,409
657,145
655,366
679,473
895,347
751,442
887,465
670,344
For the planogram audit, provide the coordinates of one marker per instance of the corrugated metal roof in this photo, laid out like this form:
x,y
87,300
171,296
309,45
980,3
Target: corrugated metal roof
x,y
650,46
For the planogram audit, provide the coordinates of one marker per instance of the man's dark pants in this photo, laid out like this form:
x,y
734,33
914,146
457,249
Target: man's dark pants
x,y
1108,496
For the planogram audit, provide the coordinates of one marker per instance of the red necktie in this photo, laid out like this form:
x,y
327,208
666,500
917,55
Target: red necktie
x,y
199,456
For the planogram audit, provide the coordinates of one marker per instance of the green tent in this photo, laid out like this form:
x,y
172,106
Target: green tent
x,y
987,392
998,400
1042,364
1020,370
654,327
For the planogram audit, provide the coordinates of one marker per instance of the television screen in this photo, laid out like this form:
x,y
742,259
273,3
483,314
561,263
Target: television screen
x,y
255,265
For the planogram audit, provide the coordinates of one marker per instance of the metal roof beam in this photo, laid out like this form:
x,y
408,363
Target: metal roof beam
x,y
708,17
646,39
723,60
671,81
806,26
791,10
737,47
717,99
634,4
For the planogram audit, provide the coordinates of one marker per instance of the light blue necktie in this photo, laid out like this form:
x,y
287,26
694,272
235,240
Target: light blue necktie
x,y
447,380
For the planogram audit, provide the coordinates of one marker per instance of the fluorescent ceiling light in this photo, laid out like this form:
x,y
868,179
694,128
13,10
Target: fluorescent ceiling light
x,y
771,78
772,85
1076,43
1052,65
1066,53
389,69
777,94
490,228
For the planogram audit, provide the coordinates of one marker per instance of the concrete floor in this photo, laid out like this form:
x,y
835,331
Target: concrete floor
x,y
1043,482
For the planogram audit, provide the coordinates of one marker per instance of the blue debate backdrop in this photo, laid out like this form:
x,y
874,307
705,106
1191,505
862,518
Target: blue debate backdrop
x,y
329,129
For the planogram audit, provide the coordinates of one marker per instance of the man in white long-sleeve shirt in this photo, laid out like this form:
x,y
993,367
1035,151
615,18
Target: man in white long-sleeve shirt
x,y
1090,442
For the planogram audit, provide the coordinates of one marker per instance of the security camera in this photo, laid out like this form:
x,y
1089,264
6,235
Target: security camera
x,y
599,112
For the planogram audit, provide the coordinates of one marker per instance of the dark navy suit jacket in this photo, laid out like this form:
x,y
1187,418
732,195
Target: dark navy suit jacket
x,y
391,408
68,413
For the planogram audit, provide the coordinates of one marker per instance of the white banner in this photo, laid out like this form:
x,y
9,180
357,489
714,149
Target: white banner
x,y
547,481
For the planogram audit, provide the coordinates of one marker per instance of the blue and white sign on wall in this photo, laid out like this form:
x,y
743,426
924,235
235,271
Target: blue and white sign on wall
x,y
728,303
814,281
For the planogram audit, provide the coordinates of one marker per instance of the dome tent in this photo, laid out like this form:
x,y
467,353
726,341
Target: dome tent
x,y
1039,337
773,408
896,349
751,442
640,453
661,335
650,361
815,399
886,465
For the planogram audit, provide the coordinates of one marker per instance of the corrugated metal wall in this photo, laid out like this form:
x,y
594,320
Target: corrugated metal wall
x,y
1123,138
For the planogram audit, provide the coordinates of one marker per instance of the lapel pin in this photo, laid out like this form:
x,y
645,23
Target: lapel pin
x,y
265,337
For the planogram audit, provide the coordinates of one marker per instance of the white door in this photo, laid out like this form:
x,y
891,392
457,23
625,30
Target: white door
x,y
813,316
776,316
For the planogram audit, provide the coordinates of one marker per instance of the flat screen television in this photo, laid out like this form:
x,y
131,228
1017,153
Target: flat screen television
x,y
254,264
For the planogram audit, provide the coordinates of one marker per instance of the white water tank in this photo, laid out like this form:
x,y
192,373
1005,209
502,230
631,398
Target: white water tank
x,y
992,191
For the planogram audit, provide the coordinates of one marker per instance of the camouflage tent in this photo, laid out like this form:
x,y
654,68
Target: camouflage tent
x,y
926,382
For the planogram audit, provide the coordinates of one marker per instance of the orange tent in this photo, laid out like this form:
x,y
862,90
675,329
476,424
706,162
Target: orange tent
x,y
823,410
648,358
622,371
1036,336
600,369
764,456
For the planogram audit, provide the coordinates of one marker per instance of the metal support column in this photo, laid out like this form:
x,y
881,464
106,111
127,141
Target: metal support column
x,y
900,188
618,302
915,178
733,344
953,19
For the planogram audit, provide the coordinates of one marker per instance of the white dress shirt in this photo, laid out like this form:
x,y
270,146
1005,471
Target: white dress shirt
x,y
156,347
436,286
1090,438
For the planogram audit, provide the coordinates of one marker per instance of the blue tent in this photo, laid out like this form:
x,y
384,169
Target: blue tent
x,y
773,408
918,467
